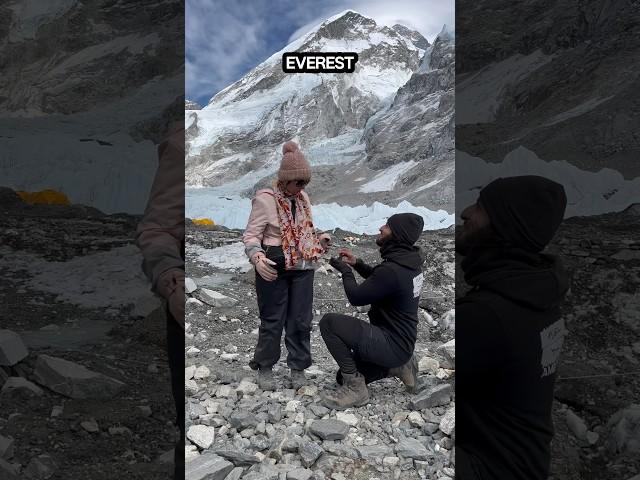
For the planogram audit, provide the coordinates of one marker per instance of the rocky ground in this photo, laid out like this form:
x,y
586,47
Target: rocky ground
x,y
84,384
238,431
597,414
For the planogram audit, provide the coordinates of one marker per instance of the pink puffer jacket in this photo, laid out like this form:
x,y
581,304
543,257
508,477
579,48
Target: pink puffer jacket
x,y
263,227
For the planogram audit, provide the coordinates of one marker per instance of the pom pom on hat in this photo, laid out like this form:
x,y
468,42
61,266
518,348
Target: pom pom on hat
x,y
293,165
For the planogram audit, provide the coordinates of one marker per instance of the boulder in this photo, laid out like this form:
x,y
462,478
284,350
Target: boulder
x,y
12,348
207,467
73,380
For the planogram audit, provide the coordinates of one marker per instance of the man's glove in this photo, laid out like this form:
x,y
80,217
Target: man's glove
x,y
339,265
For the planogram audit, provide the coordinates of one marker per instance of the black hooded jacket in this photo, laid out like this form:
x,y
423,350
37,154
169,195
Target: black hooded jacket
x,y
393,291
508,339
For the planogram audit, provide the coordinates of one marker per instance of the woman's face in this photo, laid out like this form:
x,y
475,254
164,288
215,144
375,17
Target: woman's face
x,y
294,187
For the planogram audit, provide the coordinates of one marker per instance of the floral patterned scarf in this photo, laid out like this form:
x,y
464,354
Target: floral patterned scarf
x,y
299,239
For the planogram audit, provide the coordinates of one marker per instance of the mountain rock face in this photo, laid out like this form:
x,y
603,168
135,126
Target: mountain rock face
x,y
557,77
234,142
191,105
86,90
419,127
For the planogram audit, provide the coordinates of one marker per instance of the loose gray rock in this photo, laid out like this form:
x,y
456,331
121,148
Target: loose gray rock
x,y
201,435
239,459
216,299
448,351
236,474
300,474
90,426
260,442
8,471
19,383
207,467
190,285
319,410
12,348
263,472
74,380
6,447
329,429
375,451
310,452
243,420
41,467
275,413
576,425
448,422
432,397
412,448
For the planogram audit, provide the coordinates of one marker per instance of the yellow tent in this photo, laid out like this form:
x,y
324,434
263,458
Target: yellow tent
x,y
48,197
203,221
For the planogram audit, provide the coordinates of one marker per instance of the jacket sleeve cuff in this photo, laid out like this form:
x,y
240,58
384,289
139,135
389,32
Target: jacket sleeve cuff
x,y
251,250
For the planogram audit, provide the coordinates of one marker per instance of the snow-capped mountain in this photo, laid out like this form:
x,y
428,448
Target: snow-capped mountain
x,y
85,90
551,89
382,133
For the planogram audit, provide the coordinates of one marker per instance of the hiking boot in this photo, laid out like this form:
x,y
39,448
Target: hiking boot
x,y
352,393
408,374
297,379
265,379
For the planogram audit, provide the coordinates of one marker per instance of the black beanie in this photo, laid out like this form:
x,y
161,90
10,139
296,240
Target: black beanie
x,y
406,227
525,211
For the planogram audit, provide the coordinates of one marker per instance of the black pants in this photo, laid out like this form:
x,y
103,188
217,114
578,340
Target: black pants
x,y
357,345
468,467
285,303
175,350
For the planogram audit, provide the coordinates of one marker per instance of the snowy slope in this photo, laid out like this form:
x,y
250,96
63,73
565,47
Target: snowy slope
x,y
588,193
233,211
234,143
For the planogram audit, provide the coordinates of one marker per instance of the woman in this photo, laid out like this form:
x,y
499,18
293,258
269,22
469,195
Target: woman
x,y
282,244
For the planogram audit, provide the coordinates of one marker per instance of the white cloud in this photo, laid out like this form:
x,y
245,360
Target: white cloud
x,y
218,43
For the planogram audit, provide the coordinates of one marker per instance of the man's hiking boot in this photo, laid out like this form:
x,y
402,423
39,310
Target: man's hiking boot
x,y
265,379
408,374
297,379
352,393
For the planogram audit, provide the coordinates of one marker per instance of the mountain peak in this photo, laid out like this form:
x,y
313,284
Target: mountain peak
x,y
416,37
447,33
338,26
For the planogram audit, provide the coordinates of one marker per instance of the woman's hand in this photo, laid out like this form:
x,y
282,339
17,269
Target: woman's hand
x,y
176,303
347,256
264,267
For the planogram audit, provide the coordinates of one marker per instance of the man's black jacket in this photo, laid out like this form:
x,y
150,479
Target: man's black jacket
x,y
392,288
508,338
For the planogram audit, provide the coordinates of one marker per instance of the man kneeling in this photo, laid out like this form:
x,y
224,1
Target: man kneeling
x,y
366,352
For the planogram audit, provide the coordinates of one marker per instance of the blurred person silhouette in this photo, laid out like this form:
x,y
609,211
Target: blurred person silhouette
x,y
383,347
160,237
284,247
508,330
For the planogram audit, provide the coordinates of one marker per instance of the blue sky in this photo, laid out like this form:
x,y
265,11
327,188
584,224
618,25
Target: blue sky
x,y
226,39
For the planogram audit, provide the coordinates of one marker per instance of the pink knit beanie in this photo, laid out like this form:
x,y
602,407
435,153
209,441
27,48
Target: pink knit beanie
x,y
293,166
